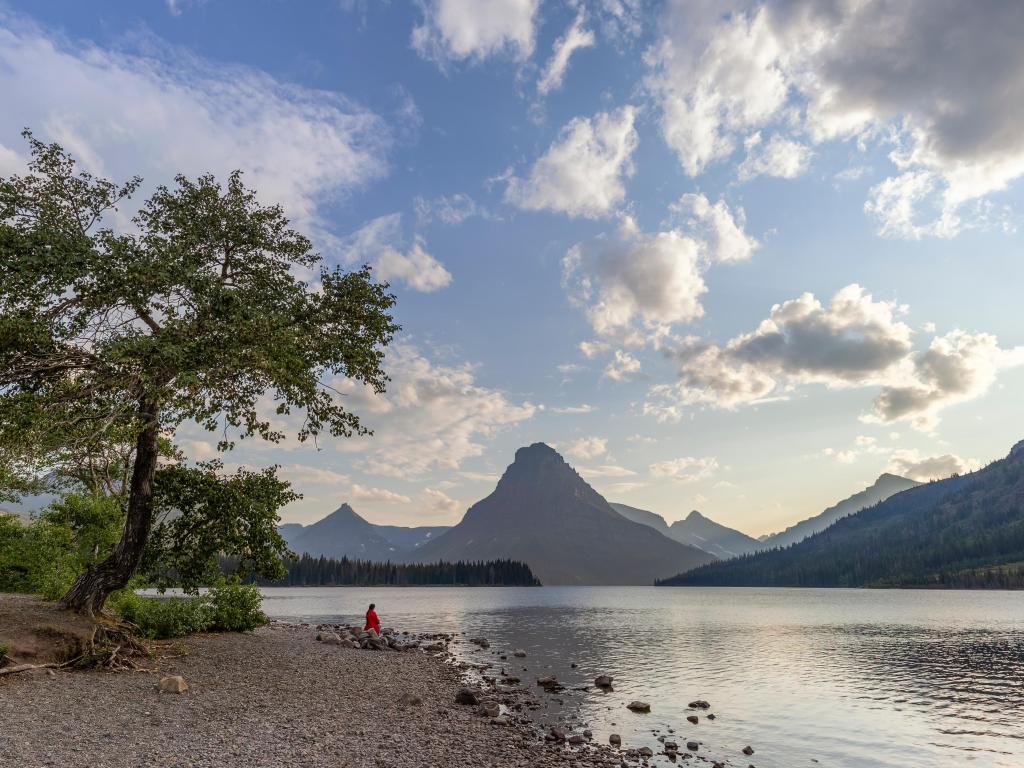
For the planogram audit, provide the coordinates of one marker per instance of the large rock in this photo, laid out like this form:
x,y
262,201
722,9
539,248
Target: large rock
x,y
639,706
603,681
615,740
469,696
172,684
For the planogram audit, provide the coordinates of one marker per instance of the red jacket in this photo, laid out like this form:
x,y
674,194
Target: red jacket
x,y
372,622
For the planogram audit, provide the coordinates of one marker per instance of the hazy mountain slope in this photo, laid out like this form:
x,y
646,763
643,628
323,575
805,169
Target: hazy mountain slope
x,y
642,516
544,514
342,533
928,535
885,486
718,539
408,539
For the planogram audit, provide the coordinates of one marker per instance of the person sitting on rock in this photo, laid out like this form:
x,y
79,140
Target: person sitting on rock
x,y
372,622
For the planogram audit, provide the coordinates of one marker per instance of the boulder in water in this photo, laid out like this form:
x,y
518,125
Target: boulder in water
x,y
639,706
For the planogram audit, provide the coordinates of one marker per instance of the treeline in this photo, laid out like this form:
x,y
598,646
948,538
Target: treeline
x,y
963,532
309,571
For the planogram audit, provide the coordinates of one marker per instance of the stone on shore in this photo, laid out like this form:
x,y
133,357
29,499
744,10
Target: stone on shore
x,y
519,653
646,752
639,706
693,719
172,684
603,681
615,740
693,746
748,750
467,696
699,704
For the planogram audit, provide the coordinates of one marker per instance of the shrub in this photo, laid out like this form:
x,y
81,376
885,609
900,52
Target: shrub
x,y
235,607
159,618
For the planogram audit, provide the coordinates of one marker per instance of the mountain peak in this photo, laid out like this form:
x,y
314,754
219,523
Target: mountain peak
x,y
695,515
536,452
889,477
1017,450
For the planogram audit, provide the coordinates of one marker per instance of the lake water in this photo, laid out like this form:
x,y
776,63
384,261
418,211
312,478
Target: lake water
x,y
806,677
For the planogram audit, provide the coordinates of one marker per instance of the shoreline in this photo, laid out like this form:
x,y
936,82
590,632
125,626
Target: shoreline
x,y
274,697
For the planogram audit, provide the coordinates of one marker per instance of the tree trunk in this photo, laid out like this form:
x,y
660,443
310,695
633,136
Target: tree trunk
x,y
90,590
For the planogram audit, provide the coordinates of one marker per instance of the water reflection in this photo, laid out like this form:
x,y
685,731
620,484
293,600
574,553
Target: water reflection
x,y
844,677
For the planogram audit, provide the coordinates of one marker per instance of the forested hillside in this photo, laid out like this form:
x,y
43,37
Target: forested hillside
x,y
308,571
965,531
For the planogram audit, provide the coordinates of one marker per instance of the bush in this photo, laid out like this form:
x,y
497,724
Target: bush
x,y
228,607
235,607
159,618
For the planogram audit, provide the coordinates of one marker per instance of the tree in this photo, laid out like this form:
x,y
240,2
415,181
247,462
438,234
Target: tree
x,y
207,308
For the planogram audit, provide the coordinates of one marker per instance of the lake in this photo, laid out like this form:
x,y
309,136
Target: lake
x,y
806,677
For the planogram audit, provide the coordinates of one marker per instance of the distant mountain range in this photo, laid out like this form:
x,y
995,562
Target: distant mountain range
x,y
966,530
695,530
885,486
544,514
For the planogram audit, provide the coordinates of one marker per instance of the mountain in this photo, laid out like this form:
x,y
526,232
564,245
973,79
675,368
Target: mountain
x,y
885,486
966,530
408,539
342,533
642,516
718,539
696,530
544,514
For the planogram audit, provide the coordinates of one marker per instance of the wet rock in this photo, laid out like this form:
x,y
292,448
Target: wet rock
x,y
671,746
699,704
467,696
519,653
489,710
557,734
693,746
711,717
588,734
500,720
615,740
639,706
748,750
603,681
693,719
645,752
576,739
172,684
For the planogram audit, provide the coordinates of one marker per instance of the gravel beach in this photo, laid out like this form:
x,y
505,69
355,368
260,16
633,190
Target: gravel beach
x,y
276,697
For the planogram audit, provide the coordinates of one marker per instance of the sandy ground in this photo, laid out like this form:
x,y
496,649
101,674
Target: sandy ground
x,y
276,697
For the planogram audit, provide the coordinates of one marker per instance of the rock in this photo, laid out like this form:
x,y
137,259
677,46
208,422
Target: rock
x,y
574,665
693,719
576,739
646,752
615,740
173,684
711,717
671,746
329,638
603,681
557,734
519,653
500,720
748,750
588,734
489,710
467,696
693,746
410,700
639,706
699,704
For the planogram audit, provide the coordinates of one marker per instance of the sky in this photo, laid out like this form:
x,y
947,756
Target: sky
x,y
739,257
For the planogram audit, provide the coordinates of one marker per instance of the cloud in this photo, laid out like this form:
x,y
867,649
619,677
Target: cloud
x,y
169,111
687,469
303,474
622,367
779,157
582,172
469,29
586,448
606,470
905,76
955,368
379,243
854,341
574,39
363,493
437,502
634,286
448,209
911,464
433,415
574,409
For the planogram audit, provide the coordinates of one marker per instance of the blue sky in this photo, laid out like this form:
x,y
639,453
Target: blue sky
x,y
736,257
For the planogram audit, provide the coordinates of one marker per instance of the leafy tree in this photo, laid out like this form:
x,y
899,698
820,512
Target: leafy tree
x,y
208,308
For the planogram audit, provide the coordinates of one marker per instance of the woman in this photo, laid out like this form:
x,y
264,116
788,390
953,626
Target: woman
x,y
372,622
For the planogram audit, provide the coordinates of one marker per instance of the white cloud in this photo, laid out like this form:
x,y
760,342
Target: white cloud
x,y
475,29
634,286
605,470
574,39
582,172
302,474
622,367
437,502
169,112
574,409
433,416
687,469
379,243
780,157
448,209
883,74
364,493
587,448
911,464
955,368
